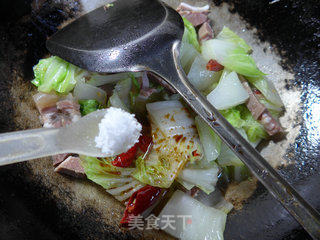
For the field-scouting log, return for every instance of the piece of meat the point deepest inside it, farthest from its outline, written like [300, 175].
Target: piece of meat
[195, 15]
[55, 113]
[260, 112]
[271, 125]
[205, 32]
[59, 158]
[253, 104]
[69, 108]
[45, 101]
[71, 166]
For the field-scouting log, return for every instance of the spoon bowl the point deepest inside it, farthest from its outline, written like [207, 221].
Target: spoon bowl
[122, 37]
[78, 137]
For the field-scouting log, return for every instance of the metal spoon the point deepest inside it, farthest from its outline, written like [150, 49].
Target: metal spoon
[145, 35]
[78, 137]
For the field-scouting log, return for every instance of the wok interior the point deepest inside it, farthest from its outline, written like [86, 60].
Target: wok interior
[84, 209]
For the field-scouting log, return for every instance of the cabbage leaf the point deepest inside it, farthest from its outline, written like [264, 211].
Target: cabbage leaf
[117, 181]
[175, 142]
[190, 34]
[241, 117]
[228, 35]
[231, 51]
[56, 74]
[88, 106]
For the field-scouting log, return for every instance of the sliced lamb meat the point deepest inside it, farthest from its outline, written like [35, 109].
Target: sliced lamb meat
[57, 113]
[261, 113]
[71, 166]
[69, 108]
[253, 104]
[44, 101]
[59, 158]
[271, 125]
[195, 15]
[205, 32]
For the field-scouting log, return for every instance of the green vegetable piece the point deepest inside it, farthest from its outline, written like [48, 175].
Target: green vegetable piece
[88, 106]
[241, 117]
[190, 34]
[232, 52]
[54, 74]
[228, 35]
[233, 116]
[102, 172]
[253, 128]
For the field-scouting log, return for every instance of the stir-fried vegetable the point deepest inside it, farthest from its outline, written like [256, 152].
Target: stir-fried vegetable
[203, 178]
[241, 117]
[54, 73]
[120, 96]
[267, 89]
[210, 141]
[228, 93]
[84, 91]
[232, 53]
[187, 55]
[181, 146]
[117, 181]
[194, 225]
[190, 35]
[175, 143]
[228, 35]
[88, 106]
[200, 77]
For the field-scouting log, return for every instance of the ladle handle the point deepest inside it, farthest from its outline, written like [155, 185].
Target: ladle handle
[29, 144]
[280, 189]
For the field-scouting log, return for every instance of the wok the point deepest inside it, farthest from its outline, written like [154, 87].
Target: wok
[36, 203]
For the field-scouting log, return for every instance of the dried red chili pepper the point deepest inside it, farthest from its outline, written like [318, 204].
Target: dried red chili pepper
[125, 159]
[213, 65]
[140, 201]
[144, 142]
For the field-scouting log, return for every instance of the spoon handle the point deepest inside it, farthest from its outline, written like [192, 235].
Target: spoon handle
[29, 144]
[280, 189]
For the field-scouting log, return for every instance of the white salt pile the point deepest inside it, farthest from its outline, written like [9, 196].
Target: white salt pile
[118, 132]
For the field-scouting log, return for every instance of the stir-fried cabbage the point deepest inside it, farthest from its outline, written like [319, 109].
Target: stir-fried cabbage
[204, 178]
[231, 53]
[268, 90]
[228, 35]
[228, 93]
[117, 181]
[187, 55]
[200, 77]
[175, 143]
[84, 91]
[54, 73]
[193, 220]
[241, 117]
[210, 141]
[227, 156]
[89, 106]
[120, 97]
[190, 35]
[102, 172]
